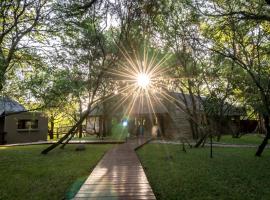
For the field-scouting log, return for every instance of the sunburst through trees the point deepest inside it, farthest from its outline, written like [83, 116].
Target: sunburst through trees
[141, 79]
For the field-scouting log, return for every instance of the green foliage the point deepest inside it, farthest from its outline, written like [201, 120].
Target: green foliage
[214, 48]
[22, 24]
[234, 35]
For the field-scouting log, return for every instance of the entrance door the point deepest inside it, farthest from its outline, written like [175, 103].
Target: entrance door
[160, 121]
[143, 125]
[2, 129]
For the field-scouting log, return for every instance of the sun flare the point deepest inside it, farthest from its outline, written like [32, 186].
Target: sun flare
[143, 80]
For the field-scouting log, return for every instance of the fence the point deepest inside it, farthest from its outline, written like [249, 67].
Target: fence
[61, 131]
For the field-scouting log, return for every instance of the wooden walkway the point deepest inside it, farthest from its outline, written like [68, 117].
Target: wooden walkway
[119, 175]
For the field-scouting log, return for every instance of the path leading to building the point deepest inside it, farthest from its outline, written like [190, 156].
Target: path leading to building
[119, 175]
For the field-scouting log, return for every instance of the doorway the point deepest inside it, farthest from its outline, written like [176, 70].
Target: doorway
[2, 130]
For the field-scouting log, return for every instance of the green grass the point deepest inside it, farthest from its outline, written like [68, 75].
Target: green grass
[26, 174]
[233, 173]
[245, 139]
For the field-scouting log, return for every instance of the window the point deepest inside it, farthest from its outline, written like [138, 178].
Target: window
[27, 124]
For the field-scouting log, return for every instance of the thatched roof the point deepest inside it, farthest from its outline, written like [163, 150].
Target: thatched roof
[8, 105]
[97, 111]
[159, 104]
[227, 110]
[202, 104]
[187, 99]
[144, 105]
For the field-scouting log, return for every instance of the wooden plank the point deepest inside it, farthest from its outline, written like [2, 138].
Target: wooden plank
[115, 186]
[119, 175]
[114, 194]
[118, 189]
[117, 198]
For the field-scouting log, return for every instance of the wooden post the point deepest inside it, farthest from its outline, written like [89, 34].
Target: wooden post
[57, 133]
[211, 146]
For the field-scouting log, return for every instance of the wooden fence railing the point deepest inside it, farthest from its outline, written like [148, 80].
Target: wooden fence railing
[61, 131]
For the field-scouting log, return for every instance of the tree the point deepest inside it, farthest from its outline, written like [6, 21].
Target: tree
[20, 22]
[92, 51]
[246, 43]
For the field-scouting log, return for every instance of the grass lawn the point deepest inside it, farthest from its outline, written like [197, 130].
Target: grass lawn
[26, 174]
[233, 173]
[245, 139]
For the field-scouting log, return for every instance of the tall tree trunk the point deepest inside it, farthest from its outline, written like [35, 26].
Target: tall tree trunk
[219, 130]
[267, 136]
[194, 111]
[2, 71]
[80, 130]
[80, 126]
[52, 127]
[261, 127]
[193, 130]
[1, 84]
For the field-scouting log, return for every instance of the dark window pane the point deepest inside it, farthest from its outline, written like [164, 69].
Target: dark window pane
[27, 124]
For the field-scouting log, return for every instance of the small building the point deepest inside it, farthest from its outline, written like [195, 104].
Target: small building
[143, 114]
[168, 113]
[19, 126]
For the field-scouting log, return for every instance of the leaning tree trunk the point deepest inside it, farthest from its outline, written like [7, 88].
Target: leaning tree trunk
[267, 136]
[67, 141]
[70, 132]
[74, 128]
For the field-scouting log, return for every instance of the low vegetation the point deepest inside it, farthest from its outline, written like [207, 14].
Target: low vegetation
[27, 174]
[232, 174]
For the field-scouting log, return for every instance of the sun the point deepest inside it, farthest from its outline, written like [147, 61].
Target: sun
[140, 78]
[143, 80]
